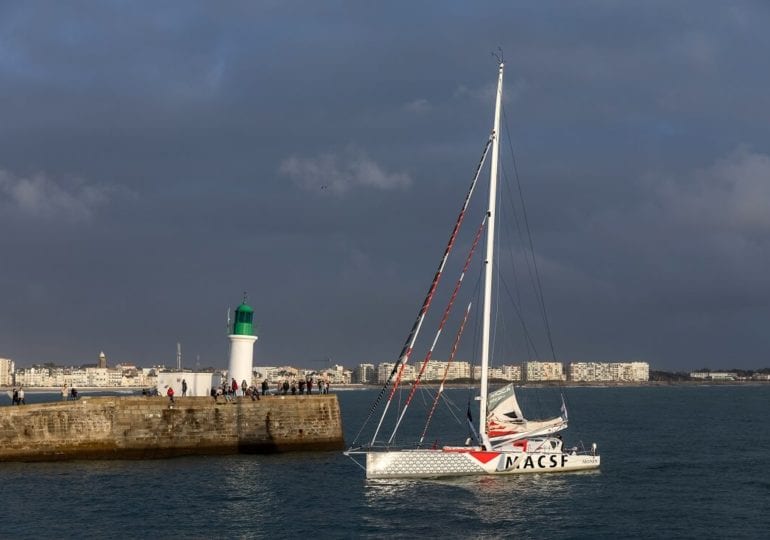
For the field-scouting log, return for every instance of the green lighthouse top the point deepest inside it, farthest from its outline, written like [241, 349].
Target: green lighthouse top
[244, 320]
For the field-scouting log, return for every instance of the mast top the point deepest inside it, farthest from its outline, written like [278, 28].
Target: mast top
[499, 55]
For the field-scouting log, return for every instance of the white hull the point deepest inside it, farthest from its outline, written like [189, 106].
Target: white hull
[452, 461]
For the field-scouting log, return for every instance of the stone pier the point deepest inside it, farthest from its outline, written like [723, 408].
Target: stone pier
[151, 427]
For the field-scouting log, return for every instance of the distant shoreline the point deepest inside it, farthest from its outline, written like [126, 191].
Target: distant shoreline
[80, 389]
[607, 384]
[614, 384]
[355, 386]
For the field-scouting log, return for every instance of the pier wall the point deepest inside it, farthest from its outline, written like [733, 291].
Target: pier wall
[149, 427]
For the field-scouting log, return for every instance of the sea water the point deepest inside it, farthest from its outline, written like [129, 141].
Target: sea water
[677, 462]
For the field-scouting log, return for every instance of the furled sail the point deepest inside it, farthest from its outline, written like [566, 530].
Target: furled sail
[503, 405]
[506, 422]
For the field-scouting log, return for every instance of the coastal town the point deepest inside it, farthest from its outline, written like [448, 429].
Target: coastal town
[129, 376]
[100, 375]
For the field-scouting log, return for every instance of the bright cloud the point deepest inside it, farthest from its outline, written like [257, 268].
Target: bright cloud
[40, 196]
[342, 173]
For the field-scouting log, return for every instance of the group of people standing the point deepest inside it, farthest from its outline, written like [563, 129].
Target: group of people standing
[170, 391]
[72, 393]
[18, 396]
[232, 390]
[284, 387]
[303, 386]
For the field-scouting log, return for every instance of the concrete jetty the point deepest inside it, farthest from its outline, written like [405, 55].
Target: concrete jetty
[139, 427]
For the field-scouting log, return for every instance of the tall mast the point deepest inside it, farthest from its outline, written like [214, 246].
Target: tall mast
[489, 263]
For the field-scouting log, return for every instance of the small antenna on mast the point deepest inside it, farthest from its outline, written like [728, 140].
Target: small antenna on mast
[499, 55]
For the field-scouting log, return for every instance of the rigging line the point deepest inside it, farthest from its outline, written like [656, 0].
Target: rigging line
[475, 341]
[446, 372]
[539, 288]
[452, 408]
[516, 214]
[357, 463]
[441, 325]
[531, 243]
[477, 325]
[505, 331]
[406, 351]
[425, 395]
[507, 225]
[527, 335]
[509, 245]
[398, 401]
[524, 250]
[536, 281]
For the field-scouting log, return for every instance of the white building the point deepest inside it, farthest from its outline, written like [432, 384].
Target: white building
[609, 371]
[198, 383]
[280, 373]
[6, 372]
[511, 372]
[504, 372]
[632, 371]
[336, 374]
[384, 369]
[265, 372]
[32, 376]
[544, 371]
[365, 374]
[436, 369]
[714, 375]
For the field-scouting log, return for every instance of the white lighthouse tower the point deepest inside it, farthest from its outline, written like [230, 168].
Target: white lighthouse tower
[242, 341]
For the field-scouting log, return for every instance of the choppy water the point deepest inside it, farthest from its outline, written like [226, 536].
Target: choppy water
[680, 462]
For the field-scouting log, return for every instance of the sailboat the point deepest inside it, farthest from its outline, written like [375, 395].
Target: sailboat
[506, 442]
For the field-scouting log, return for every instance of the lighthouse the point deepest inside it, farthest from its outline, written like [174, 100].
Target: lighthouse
[242, 341]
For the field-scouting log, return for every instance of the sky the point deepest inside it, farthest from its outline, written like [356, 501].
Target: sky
[158, 160]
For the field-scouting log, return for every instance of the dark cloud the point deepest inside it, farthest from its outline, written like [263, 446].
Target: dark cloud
[158, 160]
